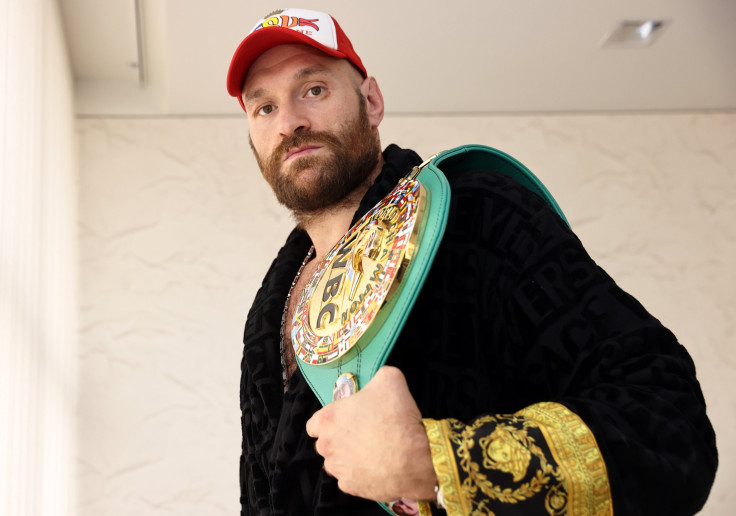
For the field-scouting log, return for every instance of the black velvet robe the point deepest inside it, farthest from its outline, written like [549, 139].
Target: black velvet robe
[514, 312]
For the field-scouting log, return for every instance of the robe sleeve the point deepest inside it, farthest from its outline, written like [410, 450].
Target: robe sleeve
[605, 412]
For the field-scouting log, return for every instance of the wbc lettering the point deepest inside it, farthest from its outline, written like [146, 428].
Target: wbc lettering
[333, 286]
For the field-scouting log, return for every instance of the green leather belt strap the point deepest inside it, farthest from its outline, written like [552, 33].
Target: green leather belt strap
[480, 157]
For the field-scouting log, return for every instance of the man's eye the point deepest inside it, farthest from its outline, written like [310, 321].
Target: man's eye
[315, 91]
[266, 110]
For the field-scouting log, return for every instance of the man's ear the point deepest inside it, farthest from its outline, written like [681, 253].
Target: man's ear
[374, 101]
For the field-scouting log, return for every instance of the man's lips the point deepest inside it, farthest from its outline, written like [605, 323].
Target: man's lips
[298, 152]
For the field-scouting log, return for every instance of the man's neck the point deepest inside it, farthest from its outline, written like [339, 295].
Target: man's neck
[328, 226]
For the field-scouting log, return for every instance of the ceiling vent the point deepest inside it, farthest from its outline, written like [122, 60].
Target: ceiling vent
[633, 34]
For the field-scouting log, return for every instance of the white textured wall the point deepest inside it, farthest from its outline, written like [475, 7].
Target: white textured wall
[38, 307]
[177, 229]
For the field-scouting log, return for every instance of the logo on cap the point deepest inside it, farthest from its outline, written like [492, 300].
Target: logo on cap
[276, 19]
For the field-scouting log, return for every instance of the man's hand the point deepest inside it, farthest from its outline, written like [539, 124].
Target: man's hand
[374, 442]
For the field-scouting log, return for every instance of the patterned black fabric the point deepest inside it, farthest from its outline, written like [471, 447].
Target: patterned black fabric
[513, 293]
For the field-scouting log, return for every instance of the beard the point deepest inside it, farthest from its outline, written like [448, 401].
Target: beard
[353, 155]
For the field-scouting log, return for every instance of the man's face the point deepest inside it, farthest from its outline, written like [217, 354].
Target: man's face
[309, 128]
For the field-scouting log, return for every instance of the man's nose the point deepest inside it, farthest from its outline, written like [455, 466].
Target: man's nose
[292, 119]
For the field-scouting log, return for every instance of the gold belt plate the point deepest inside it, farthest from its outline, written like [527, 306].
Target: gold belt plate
[357, 277]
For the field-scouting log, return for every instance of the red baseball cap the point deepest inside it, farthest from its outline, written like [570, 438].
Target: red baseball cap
[313, 28]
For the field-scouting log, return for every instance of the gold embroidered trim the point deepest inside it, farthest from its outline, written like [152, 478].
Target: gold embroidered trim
[443, 459]
[425, 508]
[577, 485]
[576, 452]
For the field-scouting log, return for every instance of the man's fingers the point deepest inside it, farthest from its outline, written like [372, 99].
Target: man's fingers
[313, 425]
[321, 446]
[326, 467]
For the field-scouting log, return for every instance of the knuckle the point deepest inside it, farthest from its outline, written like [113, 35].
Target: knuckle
[327, 468]
[327, 416]
[390, 374]
[323, 446]
[345, 486]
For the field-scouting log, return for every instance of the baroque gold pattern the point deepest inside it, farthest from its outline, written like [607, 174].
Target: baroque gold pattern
[544, 455]
[443, 458]
[576, 450]
[507, 449]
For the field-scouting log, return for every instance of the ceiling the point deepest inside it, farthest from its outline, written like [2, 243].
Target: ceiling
[170, 57]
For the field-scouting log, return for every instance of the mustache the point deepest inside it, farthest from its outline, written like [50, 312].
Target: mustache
[303, 138]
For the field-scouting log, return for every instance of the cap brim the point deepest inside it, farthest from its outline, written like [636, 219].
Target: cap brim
[259, 42]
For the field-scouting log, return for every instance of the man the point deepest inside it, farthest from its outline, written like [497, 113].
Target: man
[525, 381]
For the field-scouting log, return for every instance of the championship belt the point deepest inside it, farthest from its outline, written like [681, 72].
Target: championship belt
[356, 303]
